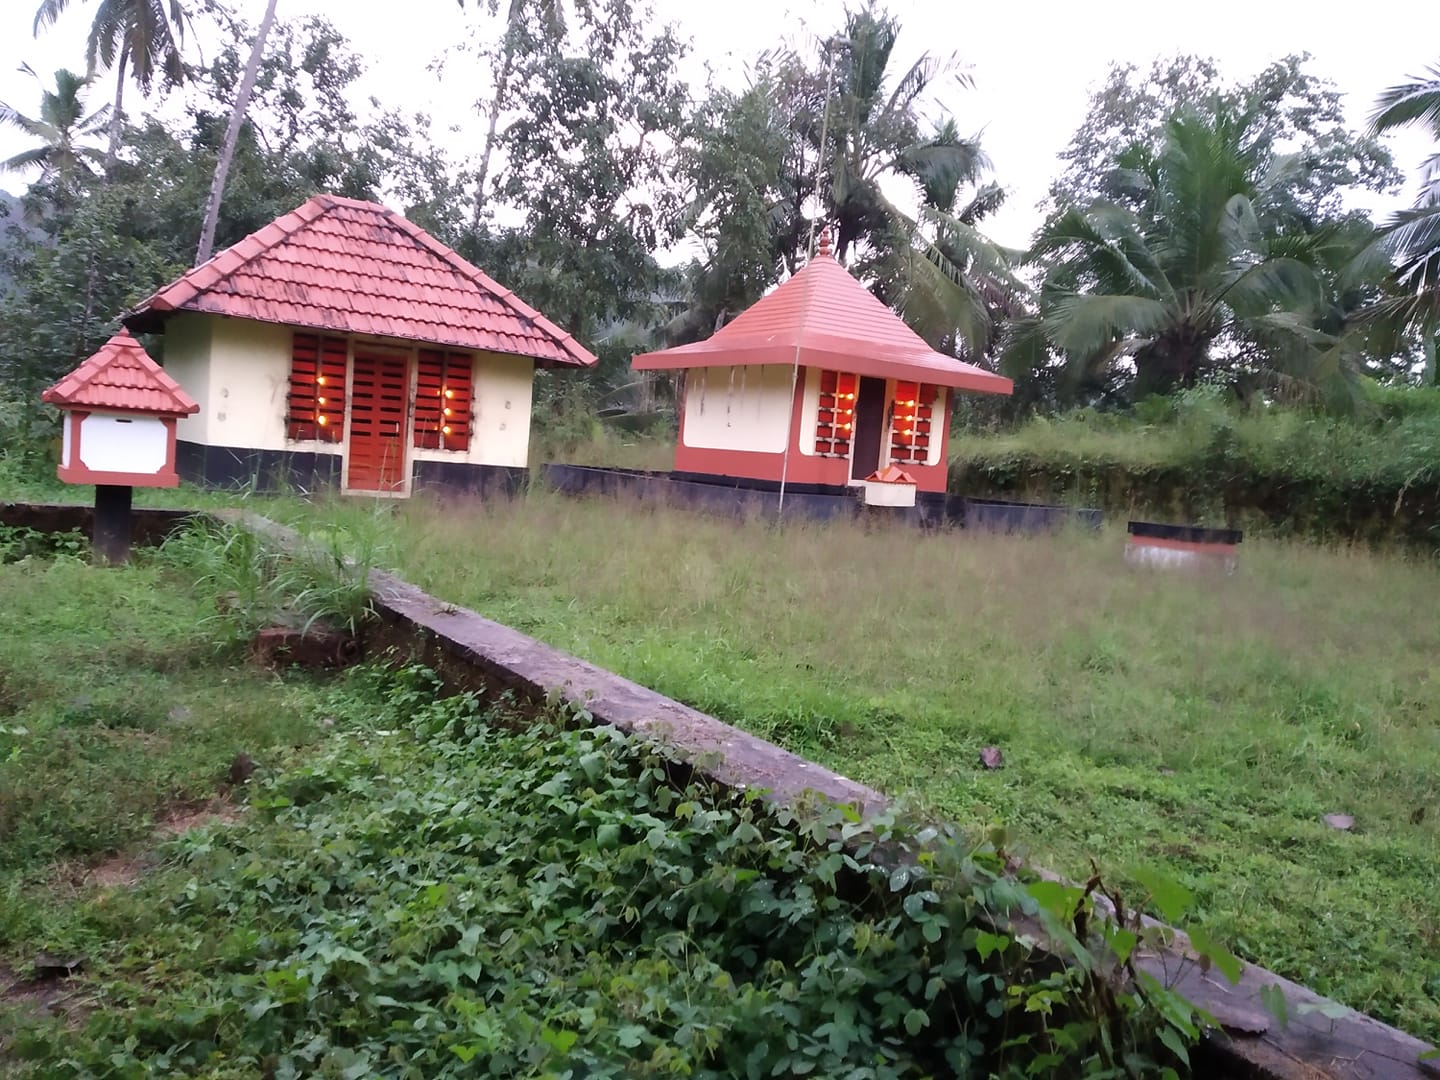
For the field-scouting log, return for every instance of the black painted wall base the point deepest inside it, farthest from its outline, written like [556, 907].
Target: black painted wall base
[736, 496]
[260, 470]
[307, 471]
[463, 478]
[742, 496]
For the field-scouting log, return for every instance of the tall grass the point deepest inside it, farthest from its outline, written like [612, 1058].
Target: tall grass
[1204, 724]
[1196, 457]
[324, 578]
[610, 448]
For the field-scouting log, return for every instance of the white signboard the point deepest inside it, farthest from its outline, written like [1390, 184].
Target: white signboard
[123, 444]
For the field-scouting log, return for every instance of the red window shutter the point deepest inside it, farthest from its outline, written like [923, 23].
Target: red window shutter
[443, 400]
[910, 426]
[836, 417]
[330, 393]
[458, 400]
[316, 403]
[429, 398]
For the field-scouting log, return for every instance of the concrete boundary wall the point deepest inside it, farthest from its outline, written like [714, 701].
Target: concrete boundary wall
[1322, 1040]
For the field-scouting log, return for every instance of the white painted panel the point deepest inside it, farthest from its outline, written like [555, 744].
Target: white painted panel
[187, 361]
[879, 493]
[738, 408]
[65, 438]
[249, 380]
[939, 417]
[500, 411]
[123, 444]
[1143, 554]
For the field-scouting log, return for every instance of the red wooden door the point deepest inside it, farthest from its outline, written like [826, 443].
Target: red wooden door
[379, 422]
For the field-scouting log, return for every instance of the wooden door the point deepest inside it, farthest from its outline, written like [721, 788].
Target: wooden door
[869, 428]
[379, 421]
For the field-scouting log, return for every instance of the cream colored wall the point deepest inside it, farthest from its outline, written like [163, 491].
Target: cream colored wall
[738, 408]
[239, 372]
[249, 382]
[186, 357]
[499, 414]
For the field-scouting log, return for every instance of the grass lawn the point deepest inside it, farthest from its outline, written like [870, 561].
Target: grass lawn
[413, 892]
[1202, 725]
[119, 720]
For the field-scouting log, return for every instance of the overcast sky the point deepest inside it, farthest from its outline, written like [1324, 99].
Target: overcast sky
[1034, 63]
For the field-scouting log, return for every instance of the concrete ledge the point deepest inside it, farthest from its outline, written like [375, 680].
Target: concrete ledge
[509, 659]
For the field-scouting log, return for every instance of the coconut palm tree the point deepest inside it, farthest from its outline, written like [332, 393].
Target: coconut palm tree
[927, 258]
[1412, 237]
[232, 135]
[843, 143]
[874, 135]
[59, 129]
[139, 39]
[1188, 279]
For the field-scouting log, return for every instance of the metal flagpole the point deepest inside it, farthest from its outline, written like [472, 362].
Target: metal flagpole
[809, 254]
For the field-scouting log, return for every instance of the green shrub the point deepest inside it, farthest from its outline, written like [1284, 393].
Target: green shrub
[1196, 457]
[444, 897]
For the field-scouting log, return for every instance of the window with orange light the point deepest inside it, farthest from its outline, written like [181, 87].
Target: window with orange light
[442, 400]
[835, 422]
[315, 406]
[912, 423]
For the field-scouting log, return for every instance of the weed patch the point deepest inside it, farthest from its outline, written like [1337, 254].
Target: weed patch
[433, 895]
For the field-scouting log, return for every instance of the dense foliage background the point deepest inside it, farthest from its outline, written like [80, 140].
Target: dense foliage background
[1199, 236]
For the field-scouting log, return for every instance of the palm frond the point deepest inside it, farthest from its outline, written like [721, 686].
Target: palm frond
[962, 246]
[38, 157]
[941, 167]
[1107, 244]
[946, 303]
[12, 117]
[1259, 287]
[983, 202]
[47, 14]
[913, 84]
[1084, 324]
[1024, 347]
[1414, 102]
[1414, 232]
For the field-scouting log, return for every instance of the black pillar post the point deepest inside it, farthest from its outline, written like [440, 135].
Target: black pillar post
[112, 523]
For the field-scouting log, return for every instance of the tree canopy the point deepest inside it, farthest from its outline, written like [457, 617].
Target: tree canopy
[1201, 229]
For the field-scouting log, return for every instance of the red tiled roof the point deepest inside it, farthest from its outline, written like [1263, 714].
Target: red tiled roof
[121, 376]
[823, 317]
[891, 474]
[358, 268]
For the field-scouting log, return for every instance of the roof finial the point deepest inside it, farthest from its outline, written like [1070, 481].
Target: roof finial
[824, 251]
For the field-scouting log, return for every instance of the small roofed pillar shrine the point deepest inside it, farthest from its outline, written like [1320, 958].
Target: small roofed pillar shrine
[119, 410]
[820, 388]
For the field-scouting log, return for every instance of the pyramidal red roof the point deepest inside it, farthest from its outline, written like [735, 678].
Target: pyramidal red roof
[359, 268]
[823, 317]
[121, 376]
